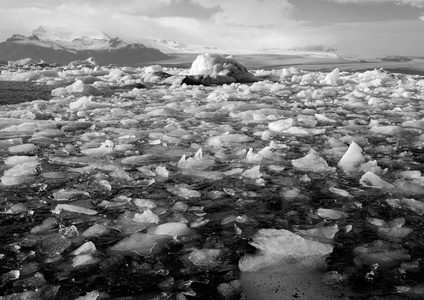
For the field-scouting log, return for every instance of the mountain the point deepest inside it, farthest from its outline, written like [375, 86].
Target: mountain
[170, 46]
[64, 46]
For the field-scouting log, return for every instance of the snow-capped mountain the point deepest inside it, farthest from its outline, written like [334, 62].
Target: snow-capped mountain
[62, 46]
[78, 40]
[170, 46]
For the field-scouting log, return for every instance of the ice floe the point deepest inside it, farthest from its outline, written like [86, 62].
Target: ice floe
[175, 175]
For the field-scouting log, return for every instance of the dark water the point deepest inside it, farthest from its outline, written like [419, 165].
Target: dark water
[12, 92]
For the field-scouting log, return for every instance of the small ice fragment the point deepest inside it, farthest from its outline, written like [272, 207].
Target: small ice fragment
[197, 162]
[74, 209]
[173, 229]
[84, 260]
[24, 148]
[352, 159]
[69, 194]
[339, 192]
[141, 244]
[86, 248]
[369, 179]
[252, 173]
[381, 253]
[144, 203]
[205, 257]
[332, 214]
[162, 172]
[411, 204]
[226, 140]
[96, 230]
[182, 190]
[93, 295]
[323, 234]
[281, 125]
[105, 149]
[312, 162]
[146, 217]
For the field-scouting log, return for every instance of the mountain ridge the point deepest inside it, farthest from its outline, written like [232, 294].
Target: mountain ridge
[63, 48]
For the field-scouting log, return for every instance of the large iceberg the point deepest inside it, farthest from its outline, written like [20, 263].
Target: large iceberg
[221, 69]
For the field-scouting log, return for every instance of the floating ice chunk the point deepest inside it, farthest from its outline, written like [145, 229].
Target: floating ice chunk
[24, 148]
[162, 172]
[414, 124]
[141, 244]
[395, 233]
[105, 149]
[205, 257]
[146, 217]
[253, 158]
[216, 66]
[81, 103]
[69, 194]
[369, 179]
[226, 140]
[27, 168]
[333, 78]
[96, 230]
[47, 224]
[414, 292]
[309, 78]
[84, 260]
[295, 130]
[312, 162]
[411, 174]
[381, 253]
[93, 295]
[332, 214]
[306, 120]
[182, 190]
[252, 173]
[266, 152]
[173, 229]
[281, 125]
[288, 72]
[196, 162]
[153, 69]
[352, 159]
[18, 159]
[407, 203]
[235, 171]
[339, 192]
[86, 248]
[276, 246]
[54, 245]
[74, 209]
[17, 180]
[9, 276]
[387, 130]
[322, 234]
[211, 175]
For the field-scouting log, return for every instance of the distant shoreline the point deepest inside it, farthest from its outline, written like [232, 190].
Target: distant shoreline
[303, 61]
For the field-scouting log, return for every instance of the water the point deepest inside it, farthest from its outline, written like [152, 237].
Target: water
[170, 272]
[13, 92]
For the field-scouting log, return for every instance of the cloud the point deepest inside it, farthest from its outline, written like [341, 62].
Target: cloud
[251, 12]
[396, 37]
[414, 3]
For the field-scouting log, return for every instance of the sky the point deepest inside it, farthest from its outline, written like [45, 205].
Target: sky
[354, 27]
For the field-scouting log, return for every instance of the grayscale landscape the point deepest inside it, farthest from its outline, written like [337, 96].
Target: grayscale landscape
[232, 150]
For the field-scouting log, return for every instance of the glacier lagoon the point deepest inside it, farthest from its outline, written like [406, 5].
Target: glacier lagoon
[304, 184]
